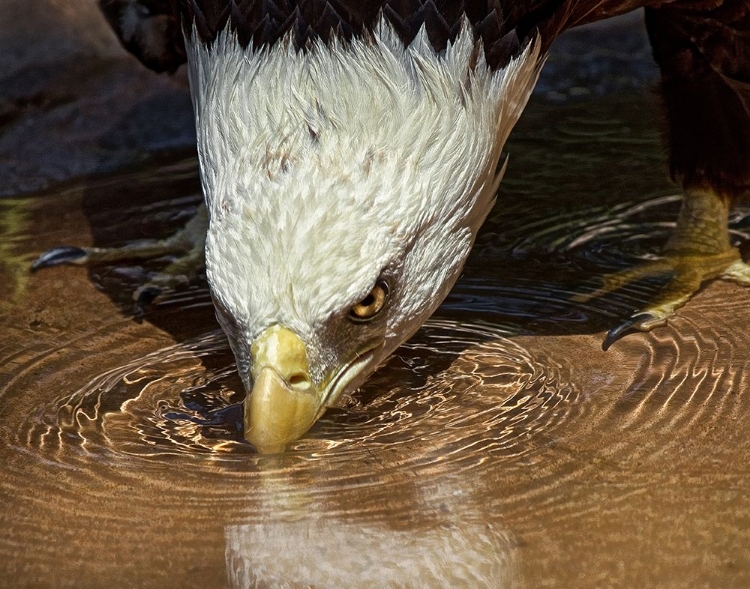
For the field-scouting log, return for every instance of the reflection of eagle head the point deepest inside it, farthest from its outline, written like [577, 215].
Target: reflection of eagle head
[345, 185]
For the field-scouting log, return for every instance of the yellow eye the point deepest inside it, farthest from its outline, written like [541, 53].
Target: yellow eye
[372, 304]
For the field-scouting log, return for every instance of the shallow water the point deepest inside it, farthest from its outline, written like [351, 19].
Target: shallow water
[499, 448]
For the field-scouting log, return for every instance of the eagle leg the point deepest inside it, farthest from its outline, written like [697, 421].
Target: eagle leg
[698, 251]
[703, 51]
[185, 247]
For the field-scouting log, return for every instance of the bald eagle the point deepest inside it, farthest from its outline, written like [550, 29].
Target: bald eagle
[351, 149]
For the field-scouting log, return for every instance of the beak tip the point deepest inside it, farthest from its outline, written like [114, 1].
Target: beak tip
[266, 448]
[275, 414]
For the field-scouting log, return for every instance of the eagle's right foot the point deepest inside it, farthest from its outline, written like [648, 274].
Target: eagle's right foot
[186, 248]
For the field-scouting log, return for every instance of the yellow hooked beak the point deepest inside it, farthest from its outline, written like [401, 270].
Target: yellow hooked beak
[284, 403]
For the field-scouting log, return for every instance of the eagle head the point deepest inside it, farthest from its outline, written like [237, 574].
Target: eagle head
[345, 185]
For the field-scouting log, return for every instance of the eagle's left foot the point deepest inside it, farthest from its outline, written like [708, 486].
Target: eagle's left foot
[698, 251]
[186, 249]
[686, 273]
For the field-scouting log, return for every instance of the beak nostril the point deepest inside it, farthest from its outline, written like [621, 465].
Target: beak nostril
[299, 381]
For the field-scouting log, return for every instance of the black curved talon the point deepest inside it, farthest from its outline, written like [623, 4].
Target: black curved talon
[630, 324]
[65, 254]
[145, 297]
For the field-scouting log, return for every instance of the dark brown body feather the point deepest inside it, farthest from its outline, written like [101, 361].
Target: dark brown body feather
[503, 25]
[150, 29]
[704, 56]
[702, 47]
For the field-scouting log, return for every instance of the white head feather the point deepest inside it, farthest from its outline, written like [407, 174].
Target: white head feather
[322, 169]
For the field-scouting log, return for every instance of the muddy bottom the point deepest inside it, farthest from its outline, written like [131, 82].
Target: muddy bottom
[499, 448]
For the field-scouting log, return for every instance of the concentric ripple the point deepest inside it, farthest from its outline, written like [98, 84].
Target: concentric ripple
[460, 389]
[463, 388]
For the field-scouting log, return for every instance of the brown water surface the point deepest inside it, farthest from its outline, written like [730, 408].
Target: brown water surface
[499, 448]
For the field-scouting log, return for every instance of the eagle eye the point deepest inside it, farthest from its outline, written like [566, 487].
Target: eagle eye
[372, 304]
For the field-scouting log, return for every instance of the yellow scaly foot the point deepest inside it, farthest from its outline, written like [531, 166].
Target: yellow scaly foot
[186, 248]
[698, 251]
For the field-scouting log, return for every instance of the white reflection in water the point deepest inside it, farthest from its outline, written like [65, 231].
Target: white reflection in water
[299, 541]
[330, 553]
